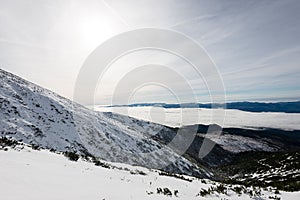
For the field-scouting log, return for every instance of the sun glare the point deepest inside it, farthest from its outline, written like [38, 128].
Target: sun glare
[94, 29]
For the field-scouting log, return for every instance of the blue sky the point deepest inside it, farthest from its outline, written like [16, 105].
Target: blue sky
[254, 44]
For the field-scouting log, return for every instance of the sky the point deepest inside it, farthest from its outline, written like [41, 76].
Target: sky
[254, 45]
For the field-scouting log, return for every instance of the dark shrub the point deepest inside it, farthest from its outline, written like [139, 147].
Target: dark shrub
[72, 155]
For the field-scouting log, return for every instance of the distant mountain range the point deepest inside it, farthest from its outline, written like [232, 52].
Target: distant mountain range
[286, 107]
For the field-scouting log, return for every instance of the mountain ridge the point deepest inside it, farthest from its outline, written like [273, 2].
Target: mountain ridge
[37, 116]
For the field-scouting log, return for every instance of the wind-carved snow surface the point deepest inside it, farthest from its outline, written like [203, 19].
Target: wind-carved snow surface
[38, 116]
[41, 175]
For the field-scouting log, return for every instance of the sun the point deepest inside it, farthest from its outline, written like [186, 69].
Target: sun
[95, 29]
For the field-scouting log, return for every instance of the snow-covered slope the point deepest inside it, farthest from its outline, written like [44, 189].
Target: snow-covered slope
[35, 175]
[236, 144]
[38, 116]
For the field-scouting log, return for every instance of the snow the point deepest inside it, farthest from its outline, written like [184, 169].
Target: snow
[172, 117]
[38, 116]
[238, 144]
[36, 175]
[232, 118]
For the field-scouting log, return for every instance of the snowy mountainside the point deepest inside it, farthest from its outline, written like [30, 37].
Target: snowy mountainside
[276, 169]
[40, 117]
[235, 141]
[45, 175]
[254, 139]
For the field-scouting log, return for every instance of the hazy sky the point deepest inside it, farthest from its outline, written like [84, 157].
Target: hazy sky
[255, 44]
